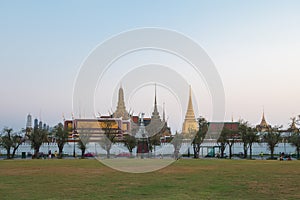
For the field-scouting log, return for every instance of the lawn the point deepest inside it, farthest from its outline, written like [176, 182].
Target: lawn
[184, 179]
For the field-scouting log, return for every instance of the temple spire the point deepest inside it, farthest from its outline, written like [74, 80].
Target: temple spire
[190, 123]
[263, 122]
[263, 126]
[190, 111]
[121, 109]
[155, 113]
[164, 114]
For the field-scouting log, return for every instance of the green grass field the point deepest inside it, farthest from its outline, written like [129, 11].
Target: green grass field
[184, 179]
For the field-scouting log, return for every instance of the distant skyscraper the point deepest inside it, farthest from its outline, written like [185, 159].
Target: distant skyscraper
[36, 123]
[190, 124]
[41, 125]
[29, 121]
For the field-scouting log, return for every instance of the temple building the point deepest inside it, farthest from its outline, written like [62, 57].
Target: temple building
[263, 126]
[156, 124]
[190, 123]
[120, 123]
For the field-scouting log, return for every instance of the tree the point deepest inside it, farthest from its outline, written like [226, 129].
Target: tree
[154, 140]
[252, 137]
[108, 138]
[272, 138]
[232, 137]
[61, 136]
[222, 141]
[295, 141]
[248, 136]
[37, 137]
[243, 130]
[200, 135]
[227, 137]
[10, 140]
[177, 142]
[82, 143]
[130, 142]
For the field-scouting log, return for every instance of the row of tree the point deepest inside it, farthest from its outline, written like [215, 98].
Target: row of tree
[248, 135]
[11, 140]
[245, 134]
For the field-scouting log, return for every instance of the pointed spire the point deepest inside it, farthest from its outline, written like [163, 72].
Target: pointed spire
[121, 109]
[155, 113]
[190, 123]
[263, 122]
[164, 114]
[190, 111]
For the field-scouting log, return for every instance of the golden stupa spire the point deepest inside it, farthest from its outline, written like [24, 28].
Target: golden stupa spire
[263, 122]
[190, 123]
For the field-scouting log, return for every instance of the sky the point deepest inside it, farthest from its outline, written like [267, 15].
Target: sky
[255, 46]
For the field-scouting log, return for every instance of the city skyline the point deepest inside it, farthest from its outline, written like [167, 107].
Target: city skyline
[254, 46]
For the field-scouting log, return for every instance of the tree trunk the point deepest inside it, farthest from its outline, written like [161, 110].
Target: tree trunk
[8, 153]
[82, 153]
[272, 152]
[195, 150]
[245, 150]
[230, 151]
[15, 149]
[36, 152]
[60, 151]
[250, 146]
[108, 153]
[298, 152]
[14, 152]
[222, 150]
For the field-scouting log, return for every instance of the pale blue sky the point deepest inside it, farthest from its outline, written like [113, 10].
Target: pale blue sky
[255, 45]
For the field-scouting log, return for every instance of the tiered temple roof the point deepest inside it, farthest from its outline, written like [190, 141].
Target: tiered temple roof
[121, 108]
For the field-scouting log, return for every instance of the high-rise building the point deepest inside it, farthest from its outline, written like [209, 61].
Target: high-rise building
[190, 124]
[36, 123]
[40, 125]
[29, 121]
